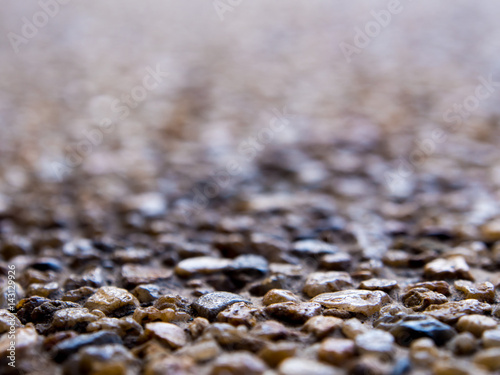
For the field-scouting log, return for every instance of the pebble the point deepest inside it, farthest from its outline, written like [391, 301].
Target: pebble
[491, 338]
[238, 363]
[336, 351]
[354, 327]
[454, 267]
[7, 320]
[103, 359]
[269, 246]
[202, 351]
[301, 366]
[274, 353]
[456, 367]
[146, 293]
[201, 265]
[272, 282]
[436, 286]
[230, 245]
[72, 318]
[239, 313]
[233, 338]
[5, 295]
[406, 331]
[293, 312]
[64, 349]
[491, 230]
[450, 312]
[423, 351]
[420, 298]
[385, 285]
[463, 344]
[271, 330]
[375, 341]
[167, 333]
[490, 358]
[279, 295]
[112, 300]
[135, 274]
[484, 292]
[26, 340]
[324, 282]
[47, 264]
[336, 262]
[476, 324]
[313, 248]
[246, 268]
[150, 314]
[197, 326]
[322, 326]
[125, 327]
[43, 290]
[210, 304]
[161, 365]
[355, 301]
[79, 295]
[93, 277]
[132, 255]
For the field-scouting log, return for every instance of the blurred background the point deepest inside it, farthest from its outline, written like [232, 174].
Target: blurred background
[228, 66]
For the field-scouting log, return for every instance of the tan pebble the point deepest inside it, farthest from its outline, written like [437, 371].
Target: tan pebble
[463, 344]
[491, 338]
[450, 312]
[197, 326]
[161, 365]
[323, 282]
[294, 312]
[336, 350]
[272, 330]
[201, 265]
[321, 326]
[238, 363]
[491, 230]
[476, 324]
[279, 295]
[484, 292]
[274, 353]
[7, 320]
[423, 351]
[436, 286]
[489, 358]
[454, 267]
[375, 341]
[357, 301]
[386, 285]
[354, 327]
[201, 351]
[167, 333]
[456, 368]
[109, 299]
[302, 366]
[420, 298]
[239, 313]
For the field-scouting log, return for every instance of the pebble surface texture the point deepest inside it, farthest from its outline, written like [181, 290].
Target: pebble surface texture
[240, 188]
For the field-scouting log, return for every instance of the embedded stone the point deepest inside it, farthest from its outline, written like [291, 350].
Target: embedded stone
[450, 312]
[167, 333]
[112, 300]
[210, 304]
[356, 301]
[336, 351]
[476, 324]
[321, 326]
[324, 282]
[293, 312]
[279, 295]
[375, 341]
[384, 285]
[454, 267]
[420, 298]
[484, 292]
[201, 265]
